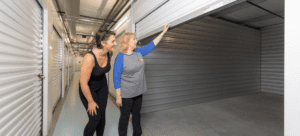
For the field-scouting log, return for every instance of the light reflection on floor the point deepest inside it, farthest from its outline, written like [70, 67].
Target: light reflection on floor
[73, 117]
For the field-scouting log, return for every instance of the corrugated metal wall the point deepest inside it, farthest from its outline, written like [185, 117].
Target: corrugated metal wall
[272, 59]
[21, 61]
[204, 60]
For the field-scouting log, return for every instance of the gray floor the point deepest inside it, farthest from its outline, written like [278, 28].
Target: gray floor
[73, 117]
[257, 114]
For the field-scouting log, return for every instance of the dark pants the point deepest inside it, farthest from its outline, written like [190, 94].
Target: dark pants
[133, 106]
[96, 122]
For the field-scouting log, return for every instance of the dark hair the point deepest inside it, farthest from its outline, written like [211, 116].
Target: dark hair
[103, 35]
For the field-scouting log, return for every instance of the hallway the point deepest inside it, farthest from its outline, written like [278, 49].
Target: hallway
[73, 118]
[223, 68]
[248, 115]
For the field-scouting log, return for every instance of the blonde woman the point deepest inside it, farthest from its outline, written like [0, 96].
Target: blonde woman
[93, 90]
[129, 79]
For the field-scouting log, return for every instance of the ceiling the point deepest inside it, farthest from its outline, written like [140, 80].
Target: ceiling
[83, 19]
[256, 14]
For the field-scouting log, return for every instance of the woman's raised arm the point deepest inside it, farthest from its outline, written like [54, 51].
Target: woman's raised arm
[159, 37]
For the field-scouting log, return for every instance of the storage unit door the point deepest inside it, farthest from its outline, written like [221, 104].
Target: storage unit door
[66, 65]
[21, 62]
[70, 66]
[55, 68]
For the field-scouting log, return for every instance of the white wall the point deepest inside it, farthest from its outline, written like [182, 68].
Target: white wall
[292, 69]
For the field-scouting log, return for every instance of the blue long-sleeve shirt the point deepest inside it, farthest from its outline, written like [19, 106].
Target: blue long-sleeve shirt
[128, 73]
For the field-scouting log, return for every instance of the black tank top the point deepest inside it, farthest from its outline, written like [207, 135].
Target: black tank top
[98, 78]
[97, 70]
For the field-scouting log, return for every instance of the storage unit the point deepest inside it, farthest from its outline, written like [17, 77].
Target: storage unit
[55, 68]
[66, 66]
[230, 51]
[78, 63]
[21, 61]
[203, 60]
[70, 62]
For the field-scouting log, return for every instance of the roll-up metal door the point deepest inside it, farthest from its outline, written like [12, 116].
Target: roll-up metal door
[112, 90]
[172, 11]
[272, 59]
[21, 62]
[70, 66]
[203, 60]
[55, 68]
[66, 66]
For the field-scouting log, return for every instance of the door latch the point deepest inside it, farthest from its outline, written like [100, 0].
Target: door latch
[41, 76]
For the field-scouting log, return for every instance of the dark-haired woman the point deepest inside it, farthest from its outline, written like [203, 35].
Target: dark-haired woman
[93, 88]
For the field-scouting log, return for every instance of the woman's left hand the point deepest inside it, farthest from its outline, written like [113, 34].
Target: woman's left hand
[166, 28]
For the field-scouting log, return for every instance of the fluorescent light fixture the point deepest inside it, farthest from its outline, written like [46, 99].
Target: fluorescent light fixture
[122, 21]
[85, 20]
[61, 19]
[125, 23]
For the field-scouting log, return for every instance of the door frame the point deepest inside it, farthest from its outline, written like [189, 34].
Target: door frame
[45, 100]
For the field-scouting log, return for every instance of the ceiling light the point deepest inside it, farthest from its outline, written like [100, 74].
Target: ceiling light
[84, 20]
[125, 23]
[122, 21]
[61, 19]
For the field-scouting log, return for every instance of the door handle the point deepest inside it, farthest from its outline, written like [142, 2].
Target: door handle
[41, 76]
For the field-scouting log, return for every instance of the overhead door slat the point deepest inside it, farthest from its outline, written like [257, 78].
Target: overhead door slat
[21, 58]
[16, 15]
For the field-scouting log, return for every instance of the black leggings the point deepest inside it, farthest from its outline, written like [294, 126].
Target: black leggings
[133, 106]
[96, 122]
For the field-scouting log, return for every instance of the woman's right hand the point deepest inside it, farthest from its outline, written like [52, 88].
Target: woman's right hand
[92, 108]
[119, 101]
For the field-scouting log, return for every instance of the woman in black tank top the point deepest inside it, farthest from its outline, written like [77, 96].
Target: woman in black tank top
[93, 90]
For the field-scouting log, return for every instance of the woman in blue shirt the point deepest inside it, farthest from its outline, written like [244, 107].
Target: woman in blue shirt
[129, 79]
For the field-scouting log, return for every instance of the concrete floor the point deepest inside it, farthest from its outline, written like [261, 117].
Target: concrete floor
[72, 118]
[257, 114]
